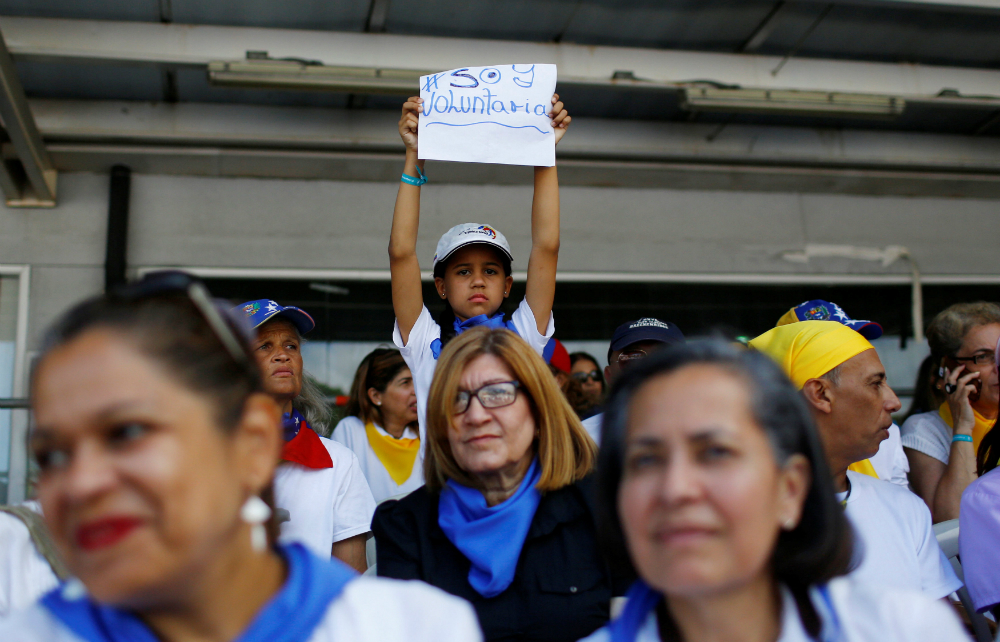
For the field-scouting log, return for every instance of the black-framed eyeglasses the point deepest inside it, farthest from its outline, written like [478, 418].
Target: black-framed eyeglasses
[593, 375]
[979, 359]
[629, 357]
[170, 282]
[492, 395]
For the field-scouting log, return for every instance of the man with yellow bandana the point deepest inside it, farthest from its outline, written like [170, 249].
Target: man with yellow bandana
[843, 382]
[890, 462]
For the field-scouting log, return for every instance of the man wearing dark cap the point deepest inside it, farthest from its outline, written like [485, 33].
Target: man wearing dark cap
[633, 341]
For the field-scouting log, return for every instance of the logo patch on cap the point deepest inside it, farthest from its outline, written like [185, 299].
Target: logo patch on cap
[485, 230]
[250, 309]
[818, 313]
[649, 322]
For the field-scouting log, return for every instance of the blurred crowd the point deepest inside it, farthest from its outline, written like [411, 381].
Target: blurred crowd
[486, 484]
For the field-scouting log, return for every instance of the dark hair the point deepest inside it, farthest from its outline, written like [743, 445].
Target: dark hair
[926, 396]
[446, 317]
[820, 546]
[169, 329]
[377, 370]
[580, 356]
[989, 451]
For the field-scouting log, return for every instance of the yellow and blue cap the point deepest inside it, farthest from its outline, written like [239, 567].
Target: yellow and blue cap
[819, 310]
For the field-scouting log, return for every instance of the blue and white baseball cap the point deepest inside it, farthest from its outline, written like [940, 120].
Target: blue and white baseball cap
[467, 234]
[819, 310]
[261, 311]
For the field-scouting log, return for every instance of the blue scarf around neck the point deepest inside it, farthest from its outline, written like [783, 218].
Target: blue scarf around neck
[641, 599]
[292, 615]
[491, 538]
[495, 322]
[292, 423]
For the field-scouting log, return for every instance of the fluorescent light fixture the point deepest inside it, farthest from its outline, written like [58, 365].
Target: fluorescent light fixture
[791, 102]
[298, 75]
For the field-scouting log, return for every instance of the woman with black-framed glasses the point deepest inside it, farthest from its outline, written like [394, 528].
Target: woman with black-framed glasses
[504, 519]
[941, 445]
[157, 444]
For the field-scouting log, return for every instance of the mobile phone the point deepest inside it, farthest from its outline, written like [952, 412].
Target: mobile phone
[951, 364]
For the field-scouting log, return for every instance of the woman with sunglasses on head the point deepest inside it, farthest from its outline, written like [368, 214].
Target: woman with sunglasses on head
[157, 445]
[380, 425]
[504, 520]
[942, 449]
[713, 486]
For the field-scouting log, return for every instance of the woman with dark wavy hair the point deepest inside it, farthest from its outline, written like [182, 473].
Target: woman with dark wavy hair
[712, 485]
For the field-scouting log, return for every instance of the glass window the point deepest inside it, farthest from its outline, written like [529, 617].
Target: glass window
[8, 331]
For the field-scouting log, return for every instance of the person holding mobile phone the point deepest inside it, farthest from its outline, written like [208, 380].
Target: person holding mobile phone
[941, 445]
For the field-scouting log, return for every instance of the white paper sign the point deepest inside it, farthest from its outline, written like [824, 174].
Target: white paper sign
[489, 115]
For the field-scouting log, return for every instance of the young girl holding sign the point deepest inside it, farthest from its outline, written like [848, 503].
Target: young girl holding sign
[472, 267]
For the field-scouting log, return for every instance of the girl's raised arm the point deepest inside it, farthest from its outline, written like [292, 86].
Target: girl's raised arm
[541, 283]
[407, 294]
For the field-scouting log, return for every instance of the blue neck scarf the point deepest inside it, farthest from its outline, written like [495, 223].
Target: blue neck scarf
[642, 599]
[495, 322]
[292, 423]
[290, 616]
[491, 538]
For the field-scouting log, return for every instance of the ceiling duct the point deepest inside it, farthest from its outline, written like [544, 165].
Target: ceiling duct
[791, 102]
[261, 72]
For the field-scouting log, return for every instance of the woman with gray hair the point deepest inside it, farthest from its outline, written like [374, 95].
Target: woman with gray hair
[942, 444]
[320, 482]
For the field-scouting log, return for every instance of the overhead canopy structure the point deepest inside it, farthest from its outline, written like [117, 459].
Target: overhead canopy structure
[850, 95]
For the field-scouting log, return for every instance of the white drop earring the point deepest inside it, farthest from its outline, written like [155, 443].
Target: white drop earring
[255, 512]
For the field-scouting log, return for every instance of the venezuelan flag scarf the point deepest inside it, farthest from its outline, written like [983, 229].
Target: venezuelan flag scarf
[397, 455]
[302, 444]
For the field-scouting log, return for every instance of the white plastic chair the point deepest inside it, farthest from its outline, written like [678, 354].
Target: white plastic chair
[947, 538]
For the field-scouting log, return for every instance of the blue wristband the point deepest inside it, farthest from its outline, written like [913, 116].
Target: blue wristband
[414, 180]
[961, 438]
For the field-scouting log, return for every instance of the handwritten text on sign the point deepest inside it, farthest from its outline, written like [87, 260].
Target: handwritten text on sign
[489, 115]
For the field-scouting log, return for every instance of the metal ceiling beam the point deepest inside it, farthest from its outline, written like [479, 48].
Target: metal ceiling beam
[979, 6]
[87, 41]
[32, 181]
[317, 143]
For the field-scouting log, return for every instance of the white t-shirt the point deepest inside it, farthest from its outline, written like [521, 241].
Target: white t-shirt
[25, 574]
[928, 433]
[890, 461]
[326, 505]
[895, 538]
[864, 615]
[369, 610]
[593, 425]
[351, 433]
[418, 356]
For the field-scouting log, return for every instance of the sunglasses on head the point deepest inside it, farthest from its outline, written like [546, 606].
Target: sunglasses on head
[174, 282]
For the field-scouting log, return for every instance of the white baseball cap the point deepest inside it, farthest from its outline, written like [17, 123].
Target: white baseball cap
[467, 234]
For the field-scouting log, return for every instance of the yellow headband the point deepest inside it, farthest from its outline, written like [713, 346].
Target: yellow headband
[810, 349]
